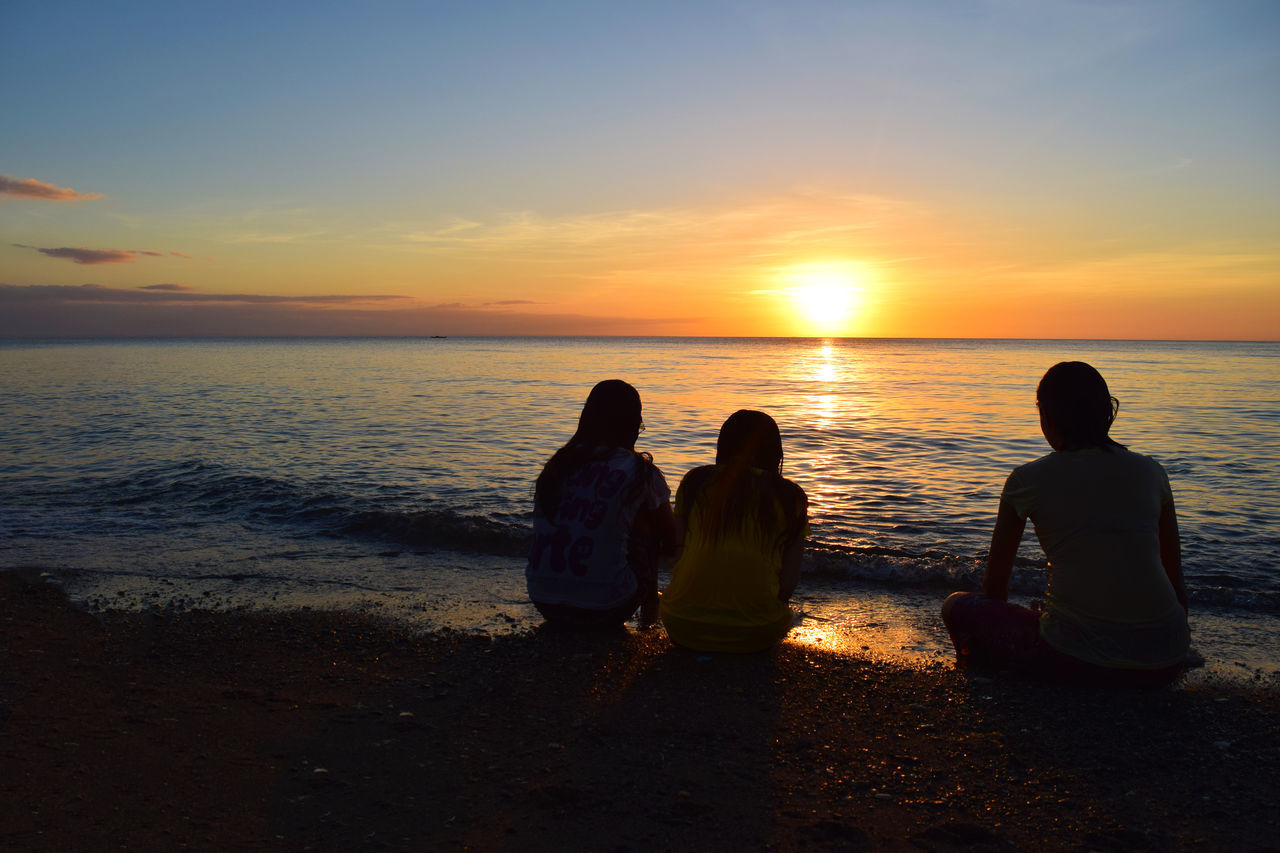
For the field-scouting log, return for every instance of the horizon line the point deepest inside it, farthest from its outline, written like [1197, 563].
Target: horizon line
[286, 336]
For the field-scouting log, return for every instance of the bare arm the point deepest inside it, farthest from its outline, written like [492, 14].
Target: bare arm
[666, 529]
[658, 525]
[1004, 547]
[1171, 551]
[789, 575]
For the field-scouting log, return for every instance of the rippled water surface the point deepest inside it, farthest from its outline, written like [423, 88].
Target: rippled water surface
[310, 466]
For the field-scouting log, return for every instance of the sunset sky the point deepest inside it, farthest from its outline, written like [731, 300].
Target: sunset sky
[919, 169]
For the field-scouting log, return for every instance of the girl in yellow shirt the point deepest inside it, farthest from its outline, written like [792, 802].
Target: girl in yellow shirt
[741, 526]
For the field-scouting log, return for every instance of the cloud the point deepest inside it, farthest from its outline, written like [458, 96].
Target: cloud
[91, 310]
[31, 188]
[802, 222]
[89, 257]
[153, 294]
[267, 237]
[85, 256]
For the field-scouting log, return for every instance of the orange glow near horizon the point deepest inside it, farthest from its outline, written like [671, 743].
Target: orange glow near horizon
[806, 264]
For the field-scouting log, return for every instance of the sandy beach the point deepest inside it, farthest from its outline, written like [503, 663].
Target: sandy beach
[330, 731]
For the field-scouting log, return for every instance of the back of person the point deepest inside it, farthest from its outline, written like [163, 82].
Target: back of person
[743, 527]
[723, 594]
[581, 552]
[1117, 605]
[602, 517]
[1096, 514]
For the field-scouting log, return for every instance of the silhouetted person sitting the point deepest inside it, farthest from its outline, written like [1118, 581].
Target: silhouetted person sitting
[1116, 609]
[742, 526]
[602, 517]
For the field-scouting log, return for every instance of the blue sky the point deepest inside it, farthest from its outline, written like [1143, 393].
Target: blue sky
[935, 154]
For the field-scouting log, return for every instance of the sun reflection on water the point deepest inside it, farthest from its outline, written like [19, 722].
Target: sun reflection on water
[898, 626]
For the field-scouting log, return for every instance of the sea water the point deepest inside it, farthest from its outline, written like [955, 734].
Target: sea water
[396, 474]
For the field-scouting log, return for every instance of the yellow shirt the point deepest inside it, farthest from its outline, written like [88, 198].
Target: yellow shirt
[723, 594]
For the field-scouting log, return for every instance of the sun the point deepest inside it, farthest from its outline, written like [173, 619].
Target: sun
[826, 297]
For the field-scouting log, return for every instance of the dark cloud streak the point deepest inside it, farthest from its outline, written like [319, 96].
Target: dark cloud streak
[89, 257]
[94, 311]
[62, 294]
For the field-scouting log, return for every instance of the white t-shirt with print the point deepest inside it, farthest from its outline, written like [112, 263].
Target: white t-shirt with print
[579, 557]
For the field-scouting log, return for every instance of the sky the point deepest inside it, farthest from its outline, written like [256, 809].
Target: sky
[1006, 169]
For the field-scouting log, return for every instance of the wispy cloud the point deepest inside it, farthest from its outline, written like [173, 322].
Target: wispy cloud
[89, 257]
[171, 310]
[168, 294]
[40, 191]
[269, 237]
[276, 224]
[803, 221]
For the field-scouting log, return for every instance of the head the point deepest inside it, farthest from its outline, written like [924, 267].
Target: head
[611, 416]
[730, 497]
[610, 419]
[750, 437]
[1076, 408]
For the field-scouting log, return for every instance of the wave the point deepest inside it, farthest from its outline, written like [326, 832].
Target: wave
[441, 529]
[191, 493]
[947, 572]
[194, 492]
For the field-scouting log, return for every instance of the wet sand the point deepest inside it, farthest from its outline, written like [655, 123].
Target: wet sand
[334, 731]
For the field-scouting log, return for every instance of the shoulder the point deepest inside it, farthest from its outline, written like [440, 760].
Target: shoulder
[794, 489]
[1130, 461]
[1025, 483]
[648, 473]
[1153, 469]
[1038, 467]
[698, 477]
[1142, 459]
[623, 457]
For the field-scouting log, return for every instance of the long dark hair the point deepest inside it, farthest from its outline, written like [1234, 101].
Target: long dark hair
[610, 419]
[1074, 399]
[729, 495]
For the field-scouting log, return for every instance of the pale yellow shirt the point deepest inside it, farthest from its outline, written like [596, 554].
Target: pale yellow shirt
[1096, 514]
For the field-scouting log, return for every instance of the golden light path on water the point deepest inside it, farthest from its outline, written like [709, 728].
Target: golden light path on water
[818, 455]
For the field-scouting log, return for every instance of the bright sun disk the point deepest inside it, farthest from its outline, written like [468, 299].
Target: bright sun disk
[826, 298]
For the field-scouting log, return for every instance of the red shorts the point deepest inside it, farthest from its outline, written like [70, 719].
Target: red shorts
[989, 632]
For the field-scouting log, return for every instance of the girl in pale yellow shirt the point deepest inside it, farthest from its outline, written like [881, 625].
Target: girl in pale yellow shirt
[1116, 609]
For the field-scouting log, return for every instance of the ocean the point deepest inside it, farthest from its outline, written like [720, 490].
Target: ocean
[395, 475]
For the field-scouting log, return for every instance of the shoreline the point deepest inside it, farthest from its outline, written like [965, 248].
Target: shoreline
[895, 624]
[338, 731]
